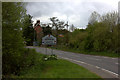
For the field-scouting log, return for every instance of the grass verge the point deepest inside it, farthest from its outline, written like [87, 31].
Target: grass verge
[108, 54]
[55, 69]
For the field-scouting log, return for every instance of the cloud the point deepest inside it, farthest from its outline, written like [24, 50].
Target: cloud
[76, 12]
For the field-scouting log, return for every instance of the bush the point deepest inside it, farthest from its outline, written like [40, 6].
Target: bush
[50, 57]
[28, 58]
[13, 64]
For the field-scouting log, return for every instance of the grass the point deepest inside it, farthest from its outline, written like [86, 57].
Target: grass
[108, 54]
[56, 69]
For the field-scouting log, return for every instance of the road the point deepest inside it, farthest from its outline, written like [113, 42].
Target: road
[105, 67]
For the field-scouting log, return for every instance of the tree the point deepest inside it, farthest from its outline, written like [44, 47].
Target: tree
[47, 30]
[28, 31]
[54, 21]
[104, 33]
[119, 12]
[110, 19]
[57, 24]
[61, 25]
[12, 41]
[94, 18]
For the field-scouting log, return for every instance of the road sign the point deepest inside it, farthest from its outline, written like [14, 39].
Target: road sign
[49, 40]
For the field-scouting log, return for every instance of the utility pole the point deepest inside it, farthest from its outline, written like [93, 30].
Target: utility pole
[67, 25]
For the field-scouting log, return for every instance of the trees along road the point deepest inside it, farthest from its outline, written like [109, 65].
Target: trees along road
[106, 67]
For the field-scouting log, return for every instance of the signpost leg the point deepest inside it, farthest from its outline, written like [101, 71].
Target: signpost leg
[50, 41]
[46, 50]
[51, 50]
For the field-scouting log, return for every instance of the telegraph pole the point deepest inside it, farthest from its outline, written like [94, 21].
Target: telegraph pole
[67, 23]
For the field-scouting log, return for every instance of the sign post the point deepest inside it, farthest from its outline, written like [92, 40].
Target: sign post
[49, 40]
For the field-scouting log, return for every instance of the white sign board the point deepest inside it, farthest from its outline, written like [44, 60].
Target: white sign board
[49, 40]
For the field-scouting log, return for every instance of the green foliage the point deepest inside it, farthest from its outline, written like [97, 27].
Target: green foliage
[62, 40]
[116, 39]
[57, 26]
[77, 38]
[55, 69]
[50, 57]
[47, 30]
[15, 57]
[28, 58]
[99, 36]
[12, 41]
[56, 23]
[28, 31]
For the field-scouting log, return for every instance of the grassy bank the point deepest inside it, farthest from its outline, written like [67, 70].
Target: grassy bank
[108, 54]
[55, 69]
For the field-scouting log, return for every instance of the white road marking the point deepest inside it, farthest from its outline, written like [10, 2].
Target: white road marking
[113, 58]
[93, 58]
[97, 67]
[91, 65]
[105, 57]
[110, 71]
[116, 63]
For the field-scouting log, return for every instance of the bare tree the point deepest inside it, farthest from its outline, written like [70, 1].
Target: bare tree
[110, 19]
[94, 17]
[119, 12]
[72, 28]
[54, 21]
[61, 24]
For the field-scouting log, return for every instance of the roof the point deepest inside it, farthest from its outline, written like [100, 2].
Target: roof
[49, 36]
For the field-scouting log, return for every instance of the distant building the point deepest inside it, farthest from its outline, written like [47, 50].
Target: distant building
[38, 30]
[37, 27]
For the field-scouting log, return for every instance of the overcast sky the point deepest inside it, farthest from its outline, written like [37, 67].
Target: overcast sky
[75, 12]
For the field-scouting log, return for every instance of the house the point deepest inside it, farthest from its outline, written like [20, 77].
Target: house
[38, 31]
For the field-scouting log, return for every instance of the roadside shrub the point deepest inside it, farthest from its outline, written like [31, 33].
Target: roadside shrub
[28, 58]
[50, 57]
[14, 62]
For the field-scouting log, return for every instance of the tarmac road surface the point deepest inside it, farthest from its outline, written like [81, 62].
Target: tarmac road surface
[106, 67]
